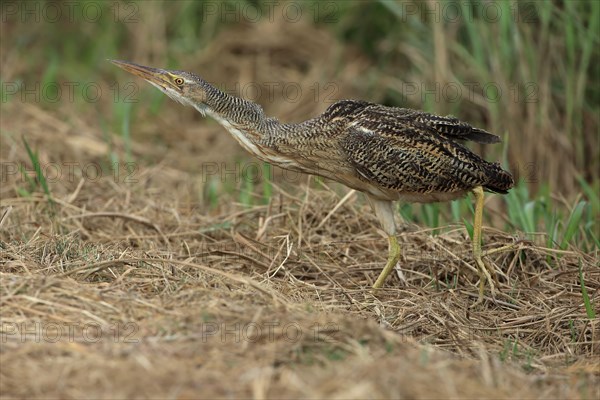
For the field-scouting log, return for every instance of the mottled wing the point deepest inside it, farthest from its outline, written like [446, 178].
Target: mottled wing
[449, 127]
[400, 150]
[403, 164]
[453, 128]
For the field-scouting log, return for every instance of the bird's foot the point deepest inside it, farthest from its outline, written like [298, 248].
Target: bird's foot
[484, 275]
[392, 263]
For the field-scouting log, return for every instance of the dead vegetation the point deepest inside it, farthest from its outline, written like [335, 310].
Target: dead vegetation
[130, 290]
[132, 284]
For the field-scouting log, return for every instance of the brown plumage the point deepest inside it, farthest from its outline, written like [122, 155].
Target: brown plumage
[390, 153]
[386, 152]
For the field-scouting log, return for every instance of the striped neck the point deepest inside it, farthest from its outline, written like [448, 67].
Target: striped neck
[236, 111]
[245, 120]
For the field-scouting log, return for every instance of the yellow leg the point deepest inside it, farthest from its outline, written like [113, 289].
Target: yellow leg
[384, 210]
[477, 253]
[393, 257]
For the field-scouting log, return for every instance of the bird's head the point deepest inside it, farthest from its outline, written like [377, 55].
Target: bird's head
[183, 87]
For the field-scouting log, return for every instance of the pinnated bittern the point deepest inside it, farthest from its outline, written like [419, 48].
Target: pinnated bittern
[387, 153]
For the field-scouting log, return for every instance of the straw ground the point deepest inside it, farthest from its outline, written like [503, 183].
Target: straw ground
[170, 276]
[114, 288]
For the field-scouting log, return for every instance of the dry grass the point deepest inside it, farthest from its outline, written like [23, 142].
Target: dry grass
[155, 297]
[144, 289]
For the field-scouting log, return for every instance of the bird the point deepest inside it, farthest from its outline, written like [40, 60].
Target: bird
[388, 153]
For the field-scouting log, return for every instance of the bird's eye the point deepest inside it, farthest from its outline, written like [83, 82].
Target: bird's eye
[179, 81]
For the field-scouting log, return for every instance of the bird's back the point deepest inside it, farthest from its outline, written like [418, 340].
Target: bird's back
[392, 153]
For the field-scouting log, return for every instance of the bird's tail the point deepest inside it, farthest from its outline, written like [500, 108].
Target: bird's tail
[454, 129]
[481, 136]
[499, 180]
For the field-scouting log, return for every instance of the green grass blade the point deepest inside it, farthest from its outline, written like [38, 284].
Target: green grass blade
[49, 78]
[455, 208]
[211, 192]
[33, 156]
[267, 186]
[406, 212]
[591, 194]
[589, 310]
[126, 130]
[431, 215]
[30, 181]
[573, 224]
[469, 228]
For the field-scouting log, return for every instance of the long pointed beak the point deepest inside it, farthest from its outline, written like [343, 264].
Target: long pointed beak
[155, 76]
